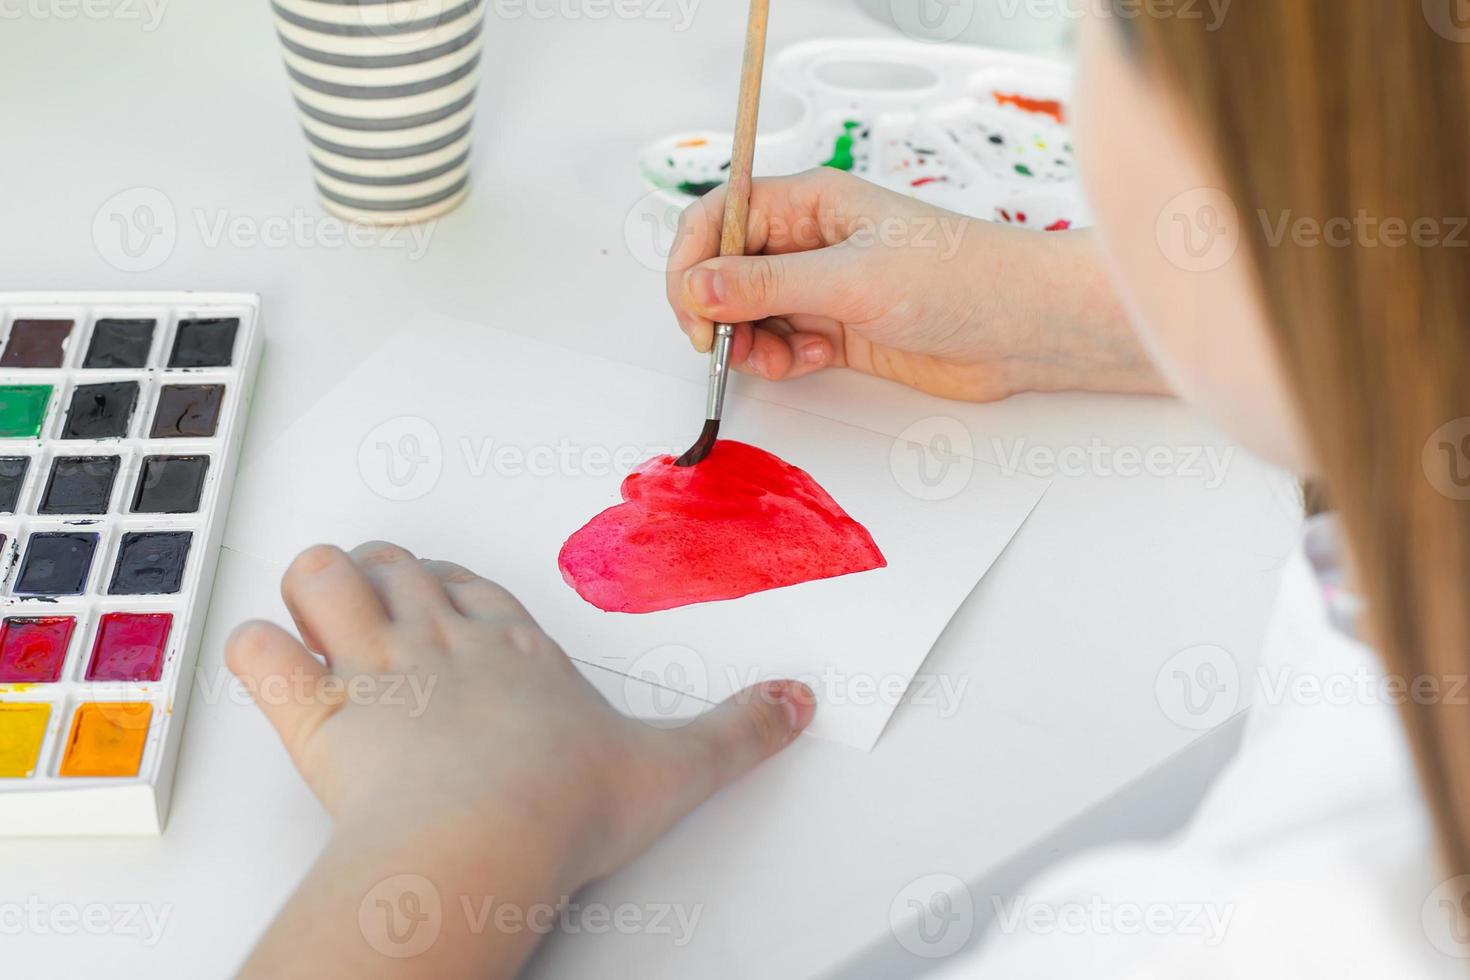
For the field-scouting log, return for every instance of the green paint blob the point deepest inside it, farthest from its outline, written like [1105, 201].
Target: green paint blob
[842, 149]
[22, 409]
[1024, 170]
[699, 188]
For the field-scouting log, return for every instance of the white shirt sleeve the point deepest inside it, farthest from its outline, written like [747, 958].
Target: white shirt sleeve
[1312, 856]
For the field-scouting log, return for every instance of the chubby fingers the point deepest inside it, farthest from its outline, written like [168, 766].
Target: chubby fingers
[779, 352]
[352, 607]
[411, 593]
[798, 213]
[335, 607]
[474, 596]
[284, 681]
[733, 738]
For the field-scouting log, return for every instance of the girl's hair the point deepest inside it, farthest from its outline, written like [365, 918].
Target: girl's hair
[1355, 112]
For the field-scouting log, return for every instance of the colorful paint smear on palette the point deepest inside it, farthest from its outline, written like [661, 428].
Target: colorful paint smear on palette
[742, 521]
[120, 424]
[850, 141]
[1038, 211]
[1016, 143]
[976, 129]
[691, 165]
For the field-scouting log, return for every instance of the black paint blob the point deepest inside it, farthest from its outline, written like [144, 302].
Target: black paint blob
[120, 344]
[187, 411]
[204, 343]
[170, 484]
[56, 563]
[150, 563]
[79, 485]
[12, 478]
[100, 411]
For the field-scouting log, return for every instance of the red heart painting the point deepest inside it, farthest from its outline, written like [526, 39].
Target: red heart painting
[742, 521]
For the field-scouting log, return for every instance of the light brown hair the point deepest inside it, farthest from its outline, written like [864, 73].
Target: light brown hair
[1330, 109]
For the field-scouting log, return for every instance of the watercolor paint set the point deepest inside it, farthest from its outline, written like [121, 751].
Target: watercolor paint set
[121, 416]
[974, 130]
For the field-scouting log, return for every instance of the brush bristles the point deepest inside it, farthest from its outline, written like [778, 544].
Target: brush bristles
[701, 449]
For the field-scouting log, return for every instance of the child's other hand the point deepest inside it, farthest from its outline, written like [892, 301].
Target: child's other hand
[443, 709]
[842, 273]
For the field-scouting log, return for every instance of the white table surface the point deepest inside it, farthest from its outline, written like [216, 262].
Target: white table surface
[794, 868]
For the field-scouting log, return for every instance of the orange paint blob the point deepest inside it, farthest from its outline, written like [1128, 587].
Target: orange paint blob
[107, 739]
[690, 144]
[1044, 107]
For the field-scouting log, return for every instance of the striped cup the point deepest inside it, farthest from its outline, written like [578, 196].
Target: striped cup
[386, 90]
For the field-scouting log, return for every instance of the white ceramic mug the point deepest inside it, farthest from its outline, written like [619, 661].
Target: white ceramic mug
[386, 93]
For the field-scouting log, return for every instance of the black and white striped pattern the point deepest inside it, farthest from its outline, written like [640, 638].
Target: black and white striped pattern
[386, 90]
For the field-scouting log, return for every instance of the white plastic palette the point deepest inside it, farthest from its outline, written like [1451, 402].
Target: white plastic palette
[112, 518]
[974, 130]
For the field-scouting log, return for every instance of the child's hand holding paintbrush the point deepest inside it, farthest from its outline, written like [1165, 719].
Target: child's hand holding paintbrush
[843, 273]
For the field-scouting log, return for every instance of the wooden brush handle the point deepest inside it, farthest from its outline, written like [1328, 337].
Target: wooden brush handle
[742, 157]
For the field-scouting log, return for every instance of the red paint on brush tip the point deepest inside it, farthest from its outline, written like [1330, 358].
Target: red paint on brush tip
[742, 521]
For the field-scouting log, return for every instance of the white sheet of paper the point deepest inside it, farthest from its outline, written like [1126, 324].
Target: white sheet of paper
[479, 446]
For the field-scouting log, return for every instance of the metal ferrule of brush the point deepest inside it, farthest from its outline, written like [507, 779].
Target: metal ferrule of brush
[719, 370]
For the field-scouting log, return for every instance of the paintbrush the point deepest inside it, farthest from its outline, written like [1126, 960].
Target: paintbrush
[737, 212]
